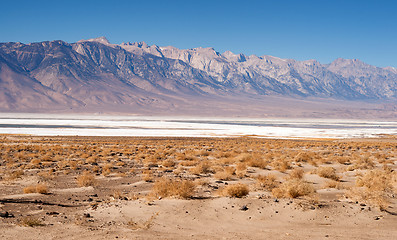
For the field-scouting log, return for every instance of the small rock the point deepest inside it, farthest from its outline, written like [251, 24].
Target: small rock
[276, 200]
[87, 215]
[244, 208]
[6, 215]
[52, 213]
[376, 218]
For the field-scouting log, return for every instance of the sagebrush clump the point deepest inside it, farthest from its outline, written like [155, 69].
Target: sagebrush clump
[238, 190]
[167, 187]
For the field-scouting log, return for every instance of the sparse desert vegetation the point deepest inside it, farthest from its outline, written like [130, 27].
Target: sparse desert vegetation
[76, 175]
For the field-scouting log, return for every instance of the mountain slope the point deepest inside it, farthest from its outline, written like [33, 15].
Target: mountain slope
[22, 93]
[97, 76]
[271, 75]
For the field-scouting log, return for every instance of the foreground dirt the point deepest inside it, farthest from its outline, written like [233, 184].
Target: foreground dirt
[121, 201]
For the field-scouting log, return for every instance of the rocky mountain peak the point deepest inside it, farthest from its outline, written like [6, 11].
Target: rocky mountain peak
[140, 44]
[136, 73]
[234, 57]
[102, 40]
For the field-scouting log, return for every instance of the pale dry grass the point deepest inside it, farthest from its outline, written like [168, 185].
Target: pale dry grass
[145, 225]
[238, 190]
[15, 174]
[167, 187]
[374, 187]
[267, 182]
[248, 160]
[327, 172]
[225, 174]
[85, 180]
[31, 222]
[293, 188]
[38, 188]
[201, 168]
[296, 173]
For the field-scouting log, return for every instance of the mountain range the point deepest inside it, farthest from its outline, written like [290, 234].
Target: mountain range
[96, 76]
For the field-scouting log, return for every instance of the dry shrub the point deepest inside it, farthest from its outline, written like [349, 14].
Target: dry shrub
[134, 225]
[374, 187]
[167, 187]
[168, 163]
[223, 175]
[30, 189]
[241, 169]
[296, 173]
[238, 190]
[202, 168]
[327, 172]
[107, 169]
[293, 188]
[153, 160]
[256, 161]
[117, 194]
[95, 169]
[91, 160]
[188, 163]
[179, 170]
[362, 163]
[343, 160]
[35, 162]
[147, 176]
[85, 180]
[303, 157]
[377, 180]
[31, 222]
[74, 165]
[333, 184]
[121, 164]
[38, 188]
[41, 188]
[268, 182]
[281, 165]
[243, 157]
[47, 175]
[15, 174]
[229, 160]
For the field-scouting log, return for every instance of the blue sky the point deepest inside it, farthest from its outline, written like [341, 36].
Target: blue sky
[323, 30]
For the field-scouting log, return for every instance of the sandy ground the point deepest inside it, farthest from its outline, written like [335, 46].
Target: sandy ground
[219, 218]
[119, 207]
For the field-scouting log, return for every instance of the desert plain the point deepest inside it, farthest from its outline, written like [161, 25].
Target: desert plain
[76, 187]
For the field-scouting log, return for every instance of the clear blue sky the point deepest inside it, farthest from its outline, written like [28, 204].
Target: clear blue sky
[323, 29]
